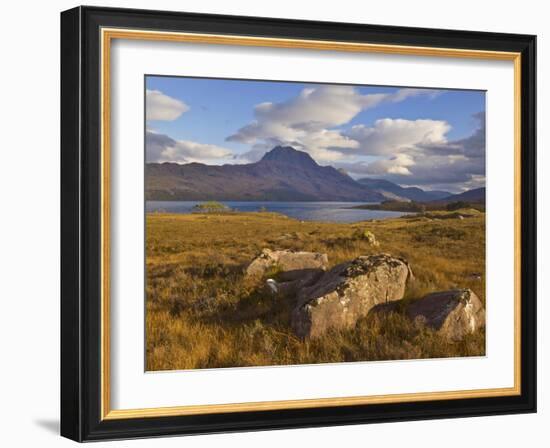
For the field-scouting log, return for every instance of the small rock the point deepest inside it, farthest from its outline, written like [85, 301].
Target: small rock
[348, 292]
[272, 285]
[453, 314]
[284, 236]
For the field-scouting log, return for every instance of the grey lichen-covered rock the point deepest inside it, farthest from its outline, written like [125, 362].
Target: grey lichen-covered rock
[348, 292]
[453, 314]
[286, 261]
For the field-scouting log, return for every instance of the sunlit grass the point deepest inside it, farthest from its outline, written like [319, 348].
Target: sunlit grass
[203, 313]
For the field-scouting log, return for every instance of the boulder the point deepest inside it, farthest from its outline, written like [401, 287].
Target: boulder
[294, 264]
[453, 314]
[348, 292]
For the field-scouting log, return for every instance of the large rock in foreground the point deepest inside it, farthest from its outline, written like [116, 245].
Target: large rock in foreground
[286, 261]
[453, 314]
[348, 292]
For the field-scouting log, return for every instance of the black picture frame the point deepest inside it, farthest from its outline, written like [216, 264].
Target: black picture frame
[81, 227]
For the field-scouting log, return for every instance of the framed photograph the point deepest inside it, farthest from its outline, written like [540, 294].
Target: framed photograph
[277, 224]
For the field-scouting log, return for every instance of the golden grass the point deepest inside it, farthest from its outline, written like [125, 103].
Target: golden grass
[203, 313]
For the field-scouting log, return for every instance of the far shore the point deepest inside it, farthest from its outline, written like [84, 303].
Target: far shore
[420, 207]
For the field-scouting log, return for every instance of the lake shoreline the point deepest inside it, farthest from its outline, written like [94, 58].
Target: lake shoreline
[329, 211]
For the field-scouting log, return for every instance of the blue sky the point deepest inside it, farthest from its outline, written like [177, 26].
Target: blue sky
[400, 134]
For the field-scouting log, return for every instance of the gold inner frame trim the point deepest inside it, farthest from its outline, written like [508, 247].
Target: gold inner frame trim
[107, 35]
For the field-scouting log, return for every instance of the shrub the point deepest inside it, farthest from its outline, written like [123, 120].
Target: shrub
[211, 206]
[366, 235]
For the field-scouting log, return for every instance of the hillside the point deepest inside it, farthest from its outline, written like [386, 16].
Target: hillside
[283, 174]
[475, 195]
[469, 199]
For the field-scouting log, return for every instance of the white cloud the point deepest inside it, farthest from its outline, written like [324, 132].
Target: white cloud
[398, 164]
[161, 148]
[417, 152]
[390, 136]
[307, 121]
[159, 106]
[403, 94]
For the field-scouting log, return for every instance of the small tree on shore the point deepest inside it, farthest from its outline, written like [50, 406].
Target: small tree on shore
[211, 206]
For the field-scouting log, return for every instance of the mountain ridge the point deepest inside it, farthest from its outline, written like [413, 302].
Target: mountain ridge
[473, 195]
[283, 174]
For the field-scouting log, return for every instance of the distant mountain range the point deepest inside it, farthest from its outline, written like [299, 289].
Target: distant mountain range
[283, 174]
[396, 192]
[476, 195]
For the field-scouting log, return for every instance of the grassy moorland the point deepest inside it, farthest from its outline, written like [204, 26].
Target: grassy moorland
[203, 313]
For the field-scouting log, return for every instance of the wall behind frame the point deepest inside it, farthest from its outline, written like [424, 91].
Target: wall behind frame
[29, 236]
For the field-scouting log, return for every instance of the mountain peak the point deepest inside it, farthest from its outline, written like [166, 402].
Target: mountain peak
[287, 154]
